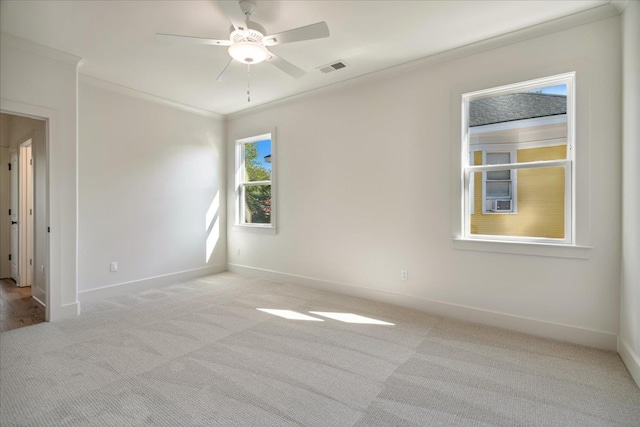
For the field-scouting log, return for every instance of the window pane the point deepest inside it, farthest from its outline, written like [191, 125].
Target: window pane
[257, 204]
[257, 161]
[539, 212]
[499, 175]
[533, 121]
[498, 189]
[498, 158]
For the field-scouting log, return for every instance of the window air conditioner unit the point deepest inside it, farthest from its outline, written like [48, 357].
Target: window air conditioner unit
[502, 205]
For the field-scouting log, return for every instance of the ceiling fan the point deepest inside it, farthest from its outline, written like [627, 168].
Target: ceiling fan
[248, 41]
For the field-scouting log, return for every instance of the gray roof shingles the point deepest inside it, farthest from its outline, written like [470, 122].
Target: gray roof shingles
[515, 106]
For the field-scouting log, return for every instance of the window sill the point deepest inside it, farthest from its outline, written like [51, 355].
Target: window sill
[259, 229]
[523, 248]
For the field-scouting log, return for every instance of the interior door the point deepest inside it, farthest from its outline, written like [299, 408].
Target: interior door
[14, 217]
[25, 214]
[28, 281]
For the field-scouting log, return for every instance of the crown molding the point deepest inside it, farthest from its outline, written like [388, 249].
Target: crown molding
[27, 45]
[134, 93]
[621, 5]
[577, 19]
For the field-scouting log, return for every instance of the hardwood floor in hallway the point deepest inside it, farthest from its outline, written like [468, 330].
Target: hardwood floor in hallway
[17, 308]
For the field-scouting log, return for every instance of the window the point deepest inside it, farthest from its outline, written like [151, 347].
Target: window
[255, 196]
[518, 143]
[499, 188]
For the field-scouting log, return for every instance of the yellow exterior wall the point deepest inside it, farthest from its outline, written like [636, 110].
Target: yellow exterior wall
[540, 199]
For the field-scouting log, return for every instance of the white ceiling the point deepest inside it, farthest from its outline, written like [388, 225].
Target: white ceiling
[116, 40]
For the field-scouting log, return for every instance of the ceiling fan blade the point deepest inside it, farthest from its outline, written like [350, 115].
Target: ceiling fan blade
[224, 74]
[191, 40]
[234, 13]
[286, 66]
[314, 31]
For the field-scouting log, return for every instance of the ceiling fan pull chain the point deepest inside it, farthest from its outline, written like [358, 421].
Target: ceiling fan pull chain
[248, 83]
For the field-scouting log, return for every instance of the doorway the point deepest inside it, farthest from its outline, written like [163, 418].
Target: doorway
[18, 307]
[24, 241]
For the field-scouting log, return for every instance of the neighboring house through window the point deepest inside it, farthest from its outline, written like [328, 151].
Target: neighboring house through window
[518, 162]
[499, 188]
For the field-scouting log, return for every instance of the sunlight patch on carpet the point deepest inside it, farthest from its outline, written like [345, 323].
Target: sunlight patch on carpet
[290, 314]
[351, 318]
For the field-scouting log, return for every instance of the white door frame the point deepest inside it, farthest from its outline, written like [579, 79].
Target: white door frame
[50, 117]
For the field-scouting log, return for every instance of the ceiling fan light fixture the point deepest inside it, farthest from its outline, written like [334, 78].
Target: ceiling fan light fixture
[248, 52]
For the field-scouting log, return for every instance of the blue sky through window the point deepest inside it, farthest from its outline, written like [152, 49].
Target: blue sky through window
[553, 90]
[264, 149]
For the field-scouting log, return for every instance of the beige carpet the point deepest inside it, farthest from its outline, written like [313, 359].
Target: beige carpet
[199, 353]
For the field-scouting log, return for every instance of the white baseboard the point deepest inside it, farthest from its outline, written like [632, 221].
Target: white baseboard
[38, 301]
[64, 311]
[39, 295]
[148, 283]
[630, 358]
[556, 331]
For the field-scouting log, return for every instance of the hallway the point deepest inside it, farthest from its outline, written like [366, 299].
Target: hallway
[17, 308]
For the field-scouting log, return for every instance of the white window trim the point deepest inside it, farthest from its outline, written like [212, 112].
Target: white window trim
[239, 225]
[523, 248]
[568, 163]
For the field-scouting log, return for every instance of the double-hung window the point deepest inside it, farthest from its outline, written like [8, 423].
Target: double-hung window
[255, 195]
[517, 162]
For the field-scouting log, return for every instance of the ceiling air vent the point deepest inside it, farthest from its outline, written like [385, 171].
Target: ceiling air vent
[332, 67]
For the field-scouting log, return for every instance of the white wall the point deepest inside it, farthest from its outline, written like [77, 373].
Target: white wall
[148, 177]
[629, 345]
[368, 175]
[19, 129]
[39, 81]
[5, 129]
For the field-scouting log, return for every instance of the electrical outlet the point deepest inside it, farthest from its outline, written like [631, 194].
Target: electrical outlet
[404, 275]
[114, 266]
